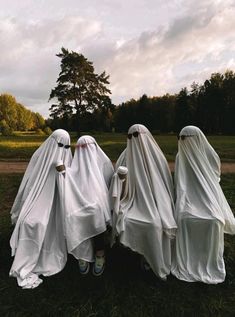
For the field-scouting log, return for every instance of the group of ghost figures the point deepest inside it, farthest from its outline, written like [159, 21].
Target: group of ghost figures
[64, 205]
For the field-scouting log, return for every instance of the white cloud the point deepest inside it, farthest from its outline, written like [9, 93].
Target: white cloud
[173, 57]
[147, 46]
[28, 65]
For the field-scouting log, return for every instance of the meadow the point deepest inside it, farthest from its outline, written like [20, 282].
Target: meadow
[123, 290]
[22, 145]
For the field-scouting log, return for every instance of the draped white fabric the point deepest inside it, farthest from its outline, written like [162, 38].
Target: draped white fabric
[143, 217]
[37, 241]
[202, 211]
[84, 193]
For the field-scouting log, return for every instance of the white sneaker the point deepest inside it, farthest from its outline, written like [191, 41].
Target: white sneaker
[98, 267]
[84, 266]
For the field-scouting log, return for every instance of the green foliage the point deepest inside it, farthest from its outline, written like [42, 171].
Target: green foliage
[5, 129]
[17, 117]
[79, 89]
[8, 110]
[39, 121]
[47, 130]
[210, 106]
[40, 132]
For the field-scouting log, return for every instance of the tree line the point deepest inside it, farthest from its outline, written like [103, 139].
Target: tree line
[83, 103]
[16, 117]
[210, 106]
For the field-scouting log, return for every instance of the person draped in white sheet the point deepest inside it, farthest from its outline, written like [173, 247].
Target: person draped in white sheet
[144, 203]
[202, 212]
[37, 242]
[84, 192]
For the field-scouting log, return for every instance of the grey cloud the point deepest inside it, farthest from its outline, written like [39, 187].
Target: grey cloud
[28, 65]
[146, 46]
[150, 60]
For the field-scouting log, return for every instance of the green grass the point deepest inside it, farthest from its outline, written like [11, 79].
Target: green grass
[123, 290]
[22, 146]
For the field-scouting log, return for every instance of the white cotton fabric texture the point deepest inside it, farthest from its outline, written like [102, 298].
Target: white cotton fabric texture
[143, 209]
[202, 212]
[37, 242]
[84, 193]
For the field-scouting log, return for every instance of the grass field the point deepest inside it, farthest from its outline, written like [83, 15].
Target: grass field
[123, 291]
[22, 146]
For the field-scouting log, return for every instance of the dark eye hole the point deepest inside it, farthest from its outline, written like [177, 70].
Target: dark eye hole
[135, 134]
[60, 144]
[183, 137]
[67, 146]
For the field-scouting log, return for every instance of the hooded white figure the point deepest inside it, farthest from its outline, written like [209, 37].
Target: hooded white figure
[84, 193]
[202, 212]
[143, 203]
[37, 241]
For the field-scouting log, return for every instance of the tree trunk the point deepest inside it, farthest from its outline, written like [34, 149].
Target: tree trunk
[78, 128]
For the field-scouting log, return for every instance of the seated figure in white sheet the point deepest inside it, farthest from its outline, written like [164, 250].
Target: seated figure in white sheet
[37, 242]
[143, 203]
[84, 194]
[202, 212]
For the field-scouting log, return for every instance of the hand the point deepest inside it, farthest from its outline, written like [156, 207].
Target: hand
[60, 168]
[122, 172]
[122, 176]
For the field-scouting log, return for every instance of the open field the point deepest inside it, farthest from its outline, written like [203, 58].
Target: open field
[22, 146]
[123, 291]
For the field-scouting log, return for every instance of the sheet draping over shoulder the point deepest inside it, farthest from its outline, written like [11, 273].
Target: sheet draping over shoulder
[84, 190]
[36, 242]
[202, 211]
[144, 215]
[197, 175]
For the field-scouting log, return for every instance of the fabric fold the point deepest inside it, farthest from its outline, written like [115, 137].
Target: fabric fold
[143, 204]
[36, 242]
[202, 212]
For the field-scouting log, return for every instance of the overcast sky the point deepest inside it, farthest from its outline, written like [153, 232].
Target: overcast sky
[146, 46]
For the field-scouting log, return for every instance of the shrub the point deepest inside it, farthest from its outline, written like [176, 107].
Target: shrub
[5, 129]
[47, 130]
[40, 132]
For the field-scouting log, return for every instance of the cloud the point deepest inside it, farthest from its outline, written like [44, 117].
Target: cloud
[167, 59]
[146, 46]
[28, 65]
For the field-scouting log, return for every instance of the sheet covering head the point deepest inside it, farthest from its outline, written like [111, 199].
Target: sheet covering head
[85, 192]
[89, 160]
[149, 176]
[197, 176]
[37, 242]
[144, 215]
[41, 166]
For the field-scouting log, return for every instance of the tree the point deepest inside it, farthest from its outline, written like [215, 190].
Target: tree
[15, 116]
[39, 121]
[183, 110]
[78, 88]
[8, 110]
